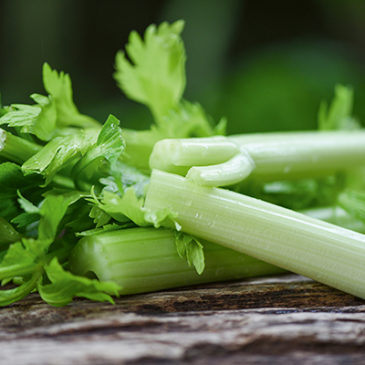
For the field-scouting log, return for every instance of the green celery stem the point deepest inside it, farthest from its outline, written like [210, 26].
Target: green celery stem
[227, 173]
[16, 149]
[289, 155]
[322, 251]
[139, 145]
[177, 155]
[145, 259]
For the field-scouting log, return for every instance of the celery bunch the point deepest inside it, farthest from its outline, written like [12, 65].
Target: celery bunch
[81, 217]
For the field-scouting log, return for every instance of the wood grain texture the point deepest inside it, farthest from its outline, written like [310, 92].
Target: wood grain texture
[277, 320]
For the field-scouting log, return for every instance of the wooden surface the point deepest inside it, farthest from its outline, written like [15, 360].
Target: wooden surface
[277, 320]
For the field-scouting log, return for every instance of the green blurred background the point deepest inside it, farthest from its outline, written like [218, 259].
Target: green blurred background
[265, 65]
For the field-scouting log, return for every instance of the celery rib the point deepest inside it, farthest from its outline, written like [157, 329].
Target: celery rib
[227, 173]
[178, 155]
[301, 154]
[324, 252]
[276, 156]
[16, 149]
[111, 256]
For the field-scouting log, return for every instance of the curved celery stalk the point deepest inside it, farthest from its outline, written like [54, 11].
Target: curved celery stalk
[324, 252]
[227, 173]
[277, 156]
[178, 155]
[146, 259]
[302, 154]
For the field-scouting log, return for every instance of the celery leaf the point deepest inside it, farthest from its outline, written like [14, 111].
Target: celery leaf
[64, 286]
[59, 153]
[354, 203]
[190, 249]
[99, 216]
[155, 74]
[58, 85]
[12, 295]
[123, 208]
[338, 116]
[52, 211]
[7, 233]
[189, 120]
[24, 260]
[108, 148]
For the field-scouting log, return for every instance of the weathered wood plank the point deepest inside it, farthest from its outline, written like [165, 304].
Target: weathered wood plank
[273, 320]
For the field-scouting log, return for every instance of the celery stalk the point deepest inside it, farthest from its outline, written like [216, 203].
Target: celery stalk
[139, 145]
[177, 155]
[301, 154]
[324, 252]
[146, 259]
[227, 173]
[16, 149]
[276, 156]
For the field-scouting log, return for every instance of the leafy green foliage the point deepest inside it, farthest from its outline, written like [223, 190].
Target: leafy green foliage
[23, 259]
[124, 176]
[156, 77]
[39, 119]
[76, 180]
[99, 156]
[100, 217]
[299, 194]
[52, 211]
[338, 115]
[103, 229]
[28, 258]
[58, 85]
[190, 249]
[7, 233]
[156, 74]
[64, 286]
[59, 153]
[189, 119]
[30, 214]
[123, 208]
[12, 179]
[354, 203]
[21, 115]
[51, 113]
[10, 296]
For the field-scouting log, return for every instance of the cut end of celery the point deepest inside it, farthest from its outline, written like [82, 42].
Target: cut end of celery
[146, 259]
[88, 258]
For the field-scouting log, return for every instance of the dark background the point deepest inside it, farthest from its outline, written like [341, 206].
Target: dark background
[266, 65]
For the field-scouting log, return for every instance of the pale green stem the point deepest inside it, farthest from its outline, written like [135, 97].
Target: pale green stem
[324, 252]
[277, 156]
[16, 149]
[146, 259]
[178, 155]
[227, 173]
[139, 145]
[289, 155]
